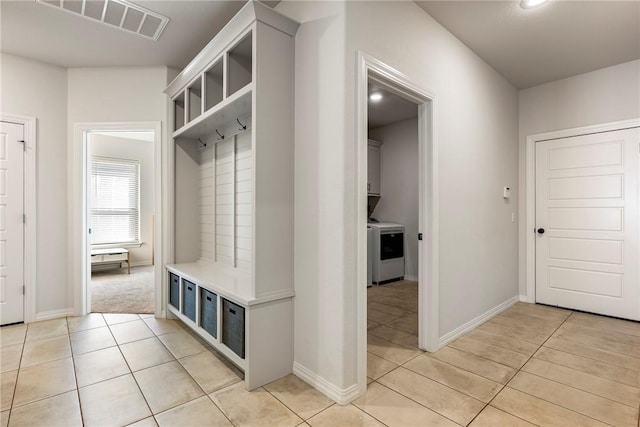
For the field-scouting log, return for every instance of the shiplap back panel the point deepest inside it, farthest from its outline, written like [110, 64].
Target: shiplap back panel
[243, 201]
[234, 199]
[206, 204]
[224, 153]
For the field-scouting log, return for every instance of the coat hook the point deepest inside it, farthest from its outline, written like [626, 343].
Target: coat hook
[219, 134]
[202, 143]
[243, 127]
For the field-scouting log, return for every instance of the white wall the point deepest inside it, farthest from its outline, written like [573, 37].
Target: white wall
[399, 184]
[321, 303]
[142, 151]
[476, 132]
[129, 94]
[607, 95]
[39, 90]
[117, 94]
[476, 122]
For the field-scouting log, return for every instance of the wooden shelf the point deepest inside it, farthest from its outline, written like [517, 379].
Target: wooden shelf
[237, 105]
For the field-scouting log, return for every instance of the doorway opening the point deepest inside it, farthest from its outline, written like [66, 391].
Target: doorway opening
[120, 211]
[397, 220]
[392, 228]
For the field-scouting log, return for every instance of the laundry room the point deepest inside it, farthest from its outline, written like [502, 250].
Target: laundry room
[393, 170]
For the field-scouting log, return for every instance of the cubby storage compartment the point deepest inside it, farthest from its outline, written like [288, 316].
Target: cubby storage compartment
[195, 99]
[233, 158]
[189, 299]
[209, 312]
[178, 107]
[239, 65]
[214, 84]
[174, 290]
[233, 327]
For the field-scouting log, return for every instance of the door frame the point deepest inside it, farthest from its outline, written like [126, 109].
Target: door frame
[80, 258]
[428, 285]
[530, 189]
[30, 209]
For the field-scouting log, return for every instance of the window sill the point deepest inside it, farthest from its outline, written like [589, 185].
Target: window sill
[118, 245]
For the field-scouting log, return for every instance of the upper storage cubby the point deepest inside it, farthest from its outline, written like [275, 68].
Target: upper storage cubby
[195, 99]
[216, 90]
[178, 108]
[223, 75]
[214, 83]
[239, 65]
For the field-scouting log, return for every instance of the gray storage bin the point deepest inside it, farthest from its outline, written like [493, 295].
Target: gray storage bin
[233, 327]
[174, 290]
[209, 312]
[189, 299]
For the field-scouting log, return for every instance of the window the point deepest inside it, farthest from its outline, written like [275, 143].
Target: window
[115, 199]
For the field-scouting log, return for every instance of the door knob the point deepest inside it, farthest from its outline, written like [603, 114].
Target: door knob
[540, 230]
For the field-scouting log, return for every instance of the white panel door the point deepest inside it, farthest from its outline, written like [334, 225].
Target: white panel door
[11, 223]
[587, 223]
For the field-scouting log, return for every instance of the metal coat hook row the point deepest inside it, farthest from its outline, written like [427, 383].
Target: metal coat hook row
[242, 127]
[202, 143]
[219, 134]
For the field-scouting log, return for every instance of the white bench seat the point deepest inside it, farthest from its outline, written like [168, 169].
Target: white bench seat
[111, 255]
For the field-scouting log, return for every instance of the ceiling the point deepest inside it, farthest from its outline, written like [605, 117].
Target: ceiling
[528, 47]
[556, 40]
[58, 37]
[390, 109]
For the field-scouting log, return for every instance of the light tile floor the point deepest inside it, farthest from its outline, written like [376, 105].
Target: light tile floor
[530, 365]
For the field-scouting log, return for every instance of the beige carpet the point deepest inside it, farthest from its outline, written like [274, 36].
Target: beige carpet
[115, 291]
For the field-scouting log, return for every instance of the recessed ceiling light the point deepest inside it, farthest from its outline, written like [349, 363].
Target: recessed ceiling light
[375, 97]
[530, 4]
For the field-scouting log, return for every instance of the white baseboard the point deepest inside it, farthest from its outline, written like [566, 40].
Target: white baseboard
[53, 314]
[139, 264]
[340, 396]
[473, 323]
[524, 298]
[411, 278]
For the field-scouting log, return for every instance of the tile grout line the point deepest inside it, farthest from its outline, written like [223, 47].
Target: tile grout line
[304, 420]
[75, 375]
[520, 370]
[129, 367]
[205, 394]
[570, 386]
[552, 403]
[371, 415]
[502, 346]
[471, 372]
[15, 387]
[413, 400]
[37, 364]
[615, 353]
[595, 360]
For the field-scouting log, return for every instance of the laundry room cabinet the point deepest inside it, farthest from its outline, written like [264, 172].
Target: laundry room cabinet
[373, 168]
[232, 183]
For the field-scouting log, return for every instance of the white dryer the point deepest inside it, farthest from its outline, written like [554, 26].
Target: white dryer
[387, 252]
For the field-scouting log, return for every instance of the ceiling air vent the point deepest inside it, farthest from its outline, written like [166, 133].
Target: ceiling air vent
[120, 14]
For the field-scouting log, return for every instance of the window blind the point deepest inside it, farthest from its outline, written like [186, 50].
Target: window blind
[115, 201]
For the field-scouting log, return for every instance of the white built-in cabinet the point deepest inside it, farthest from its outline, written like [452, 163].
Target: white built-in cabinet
[232, 276]
[373, 168]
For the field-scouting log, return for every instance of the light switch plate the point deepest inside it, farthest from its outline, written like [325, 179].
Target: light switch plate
[506, 192]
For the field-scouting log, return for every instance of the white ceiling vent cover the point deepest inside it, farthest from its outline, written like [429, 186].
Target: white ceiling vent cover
[120, 14]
